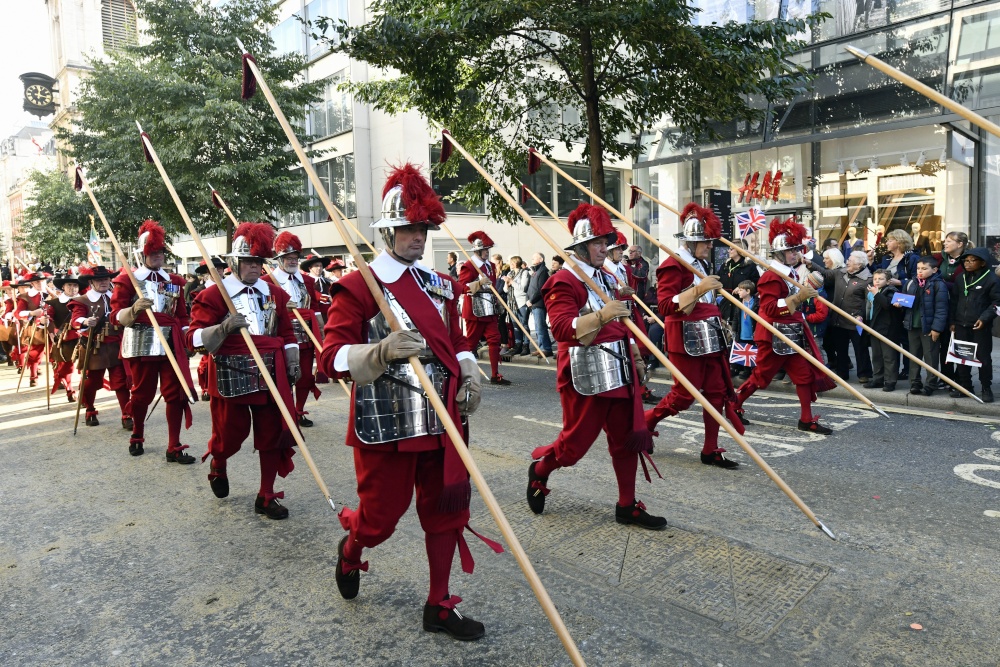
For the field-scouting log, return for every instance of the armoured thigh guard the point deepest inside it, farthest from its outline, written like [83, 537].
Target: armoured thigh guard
[706, 336]
[794, 331]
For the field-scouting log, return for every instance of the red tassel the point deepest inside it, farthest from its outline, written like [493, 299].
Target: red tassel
[635, 197]
[249, 88]
[524, 195]
[215, 199]
[145, 148]
[446, 146]
[534, 162]
[78, 180]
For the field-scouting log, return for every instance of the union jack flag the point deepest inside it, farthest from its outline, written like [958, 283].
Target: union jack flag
[743, 355]
[750, 221]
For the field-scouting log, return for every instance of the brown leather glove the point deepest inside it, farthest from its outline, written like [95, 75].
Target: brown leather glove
[126, 316]
[292, 364]
[470, 377]
[687, 299]
[624, 291]
[793, 301]
[213, 337]
[366, 362]
[588, 326]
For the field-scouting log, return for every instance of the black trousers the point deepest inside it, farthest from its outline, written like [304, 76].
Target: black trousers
[840, 341]
[984, 353]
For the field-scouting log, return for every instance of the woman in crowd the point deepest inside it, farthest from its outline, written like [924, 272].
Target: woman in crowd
[517, 298]
[736, 270]
[833, 260]
[956, 244]
[849, 287]
[900, 262]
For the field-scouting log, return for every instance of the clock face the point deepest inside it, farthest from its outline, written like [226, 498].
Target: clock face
[38, 95]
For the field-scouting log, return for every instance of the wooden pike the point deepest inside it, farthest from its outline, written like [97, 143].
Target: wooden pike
[453, 433]
[82, 183]
[639, 336]
[268, 380]
[24, 357]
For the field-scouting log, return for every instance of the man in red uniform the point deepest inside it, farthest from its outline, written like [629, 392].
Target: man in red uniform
[91, 316]
[779, 305]
[163, 294]
[597, 375]
[398, 440]
[303, 299]
[479, 306]
[31, 313]
[67, 337]
[696, 343]
[239, 396]
[207, 282]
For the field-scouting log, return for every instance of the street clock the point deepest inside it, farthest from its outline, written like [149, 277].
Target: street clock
[39, 94]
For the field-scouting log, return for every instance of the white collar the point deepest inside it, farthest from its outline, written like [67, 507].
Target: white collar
[63, 298]
[143, 272]
[209, 282]
[685, 254]
[389, 269]
[234, 286]
[283, 276]
[587, 268]
[478, 263]
[33, 292]
[781, 267]
[613, 267]
[94, 295]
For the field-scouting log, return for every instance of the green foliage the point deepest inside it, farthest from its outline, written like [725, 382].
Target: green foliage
[56, 226]
[497, 73]
[183, 85]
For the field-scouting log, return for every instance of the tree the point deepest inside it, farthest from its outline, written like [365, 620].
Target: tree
[182, 83]
[57, 224]
[497, 73]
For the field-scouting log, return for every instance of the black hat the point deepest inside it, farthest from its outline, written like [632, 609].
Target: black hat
[311, 259]
[203, 268]
[981, 253]
[29, 278]
[65, 278]
[98, 273]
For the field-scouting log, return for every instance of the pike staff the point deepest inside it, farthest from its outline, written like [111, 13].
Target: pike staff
[637, 333]
[837, 310]
[151, 156]
[81, 183]
[250, 67]
[24, 356]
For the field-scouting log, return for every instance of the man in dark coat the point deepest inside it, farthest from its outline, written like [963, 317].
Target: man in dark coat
[975, 295]
[539, 276]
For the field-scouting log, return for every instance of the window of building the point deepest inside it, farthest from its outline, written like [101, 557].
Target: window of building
[447, 187]
[335, 10]
[568, 196]
[334, 114]
[118, 23]
[337, 176]
[289, 36]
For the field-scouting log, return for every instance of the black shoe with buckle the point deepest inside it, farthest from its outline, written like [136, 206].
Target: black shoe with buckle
[33, 382]
[305, 421]
[741, 413]
[500, 380]
[135, 447]
[178, 456]
[445, 618]
[536, 490]
[271, 508]
[348, 575]
[717, 459]
[219, 482]
[205, 396]
[127, 424]
[814, 427]
[70, 396]
[92, 419]
[636, 515]
[649, 397]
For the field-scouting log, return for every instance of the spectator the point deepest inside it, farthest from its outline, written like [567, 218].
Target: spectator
[736, 270]
[453, 265]
[556, 264]
[901, 261]
[653, 329]
[848, 286]
[975, 295]
[502, 319]
[925, 321]
[955, 245]
[640, 270]
[832, 259]
[517, 280]
[888, 321]
[746, 292]
[539, 274]
[830, 243]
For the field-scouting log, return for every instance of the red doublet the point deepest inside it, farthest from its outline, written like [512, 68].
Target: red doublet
[307, 351]
[616, 412]
[478, 327]
[103, 358]
[146, 371]
[26, 302]
[63, 371]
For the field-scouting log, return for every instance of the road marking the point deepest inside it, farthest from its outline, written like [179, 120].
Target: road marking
[992, 514]
[967, 471]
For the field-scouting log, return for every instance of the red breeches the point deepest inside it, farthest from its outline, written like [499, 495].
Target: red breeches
[476, 329]
[146, 371]
[231, 424]
[306, 383]
[116, 382]
[63, 374]
[584, 417]
[203, 373]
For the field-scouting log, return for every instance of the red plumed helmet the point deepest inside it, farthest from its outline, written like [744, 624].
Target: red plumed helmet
[152, 238]
[619, 242]
[785, 235]
[252, 239]
[588, 222]
[480, 241]
[699, 223]
[286, 243]
[408, 199]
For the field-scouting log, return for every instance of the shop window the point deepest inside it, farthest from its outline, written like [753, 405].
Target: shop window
[334, 113]
[118, 23]
[334, 10]
[447, 187]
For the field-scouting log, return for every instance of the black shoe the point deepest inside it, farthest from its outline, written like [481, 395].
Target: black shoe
[220, 484]
[448, 619]
[649, 397]
[916, 388]
[135, 448]
[500, 380]
[205, 396]
[864, 380]
[636, 515]
[889, 386]
[33, 382]
[717, 459]
[348, 583]
[179, 457]
[955, 393]
[92, 420]
[273, 509]
[874, 384]
[525, 351]
[127, 423]
[305, 421]
[987, 395]
[536, 490]
[71, 396]
[928, 390]
[741, 413]
[814, 427]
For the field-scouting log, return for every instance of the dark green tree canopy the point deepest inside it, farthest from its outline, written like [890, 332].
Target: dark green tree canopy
[57, 224]
[490, 71]
[183, 85]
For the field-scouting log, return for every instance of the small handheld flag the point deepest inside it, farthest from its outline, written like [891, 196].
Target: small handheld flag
[93, 246]
[743, 355]
[750, 221]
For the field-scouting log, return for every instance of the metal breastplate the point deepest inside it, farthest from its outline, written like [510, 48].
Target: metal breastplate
[601, 367]
[238, 374]
[795, 331]
[594, 302]
[297, 295]
[140, 340]
[483, 304]
[300, 333]
[164, 295]
[703, 337]
[394, 406]
[259, 312]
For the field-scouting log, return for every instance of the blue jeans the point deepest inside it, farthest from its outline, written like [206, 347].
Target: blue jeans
[522, 317]
[542, 330]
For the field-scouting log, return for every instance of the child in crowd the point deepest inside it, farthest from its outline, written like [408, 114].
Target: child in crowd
[881, 316]
[746, 292]
[975, 295]
[926, 321]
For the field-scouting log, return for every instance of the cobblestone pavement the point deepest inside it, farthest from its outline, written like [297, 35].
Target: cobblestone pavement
[108, 559]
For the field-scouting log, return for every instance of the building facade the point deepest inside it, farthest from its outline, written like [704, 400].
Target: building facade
[30, 148]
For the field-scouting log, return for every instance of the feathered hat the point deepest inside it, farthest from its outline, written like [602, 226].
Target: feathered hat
[251, 239]
[286, 243]
[152, 238]
[588, 222]
[699, 223]
[785, 235]
[619, 242]
[335, 264]
[408, 199]
[311, 259]
[97, 273]
[480, 241]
